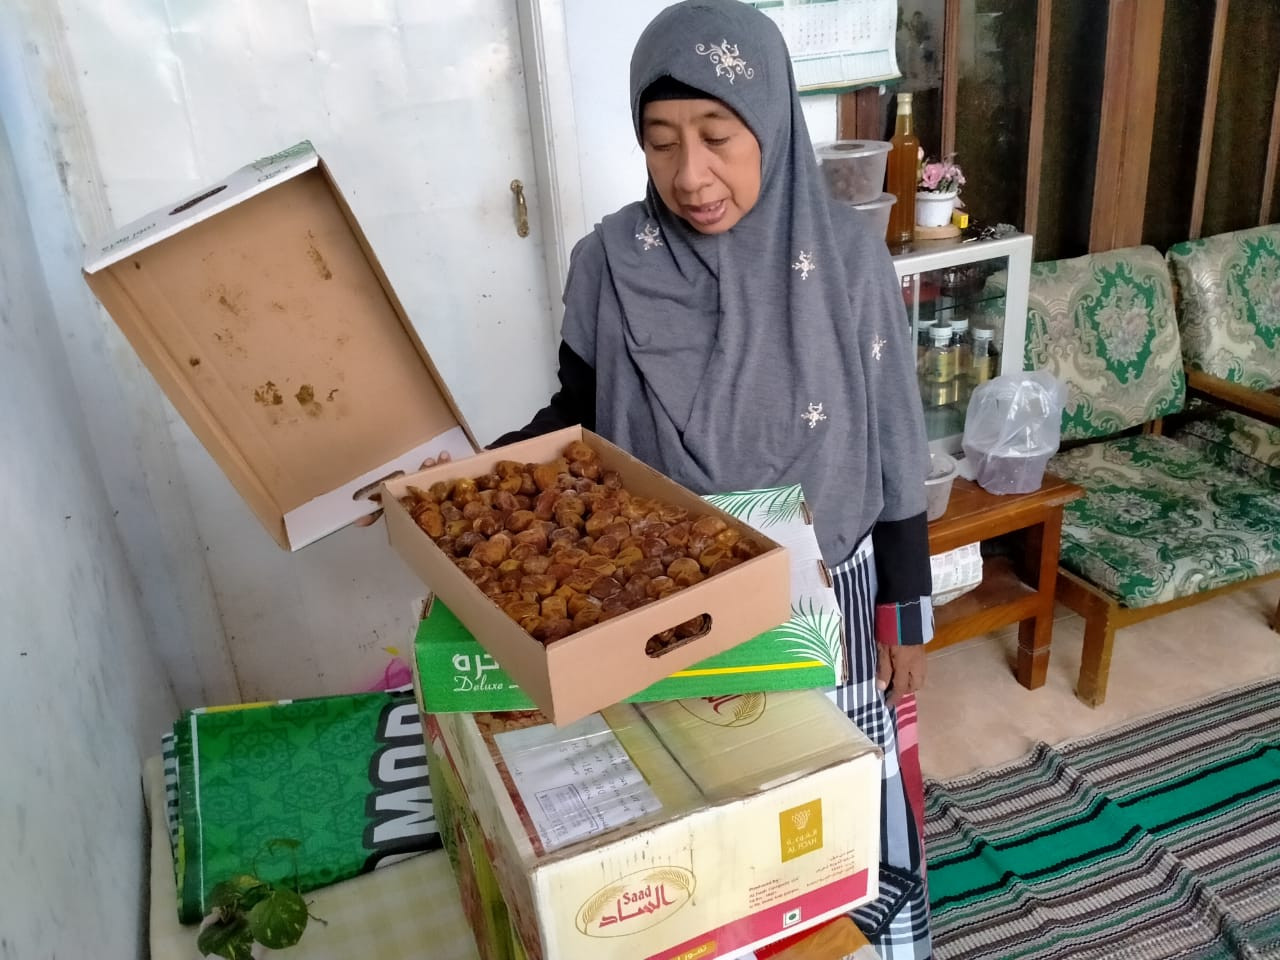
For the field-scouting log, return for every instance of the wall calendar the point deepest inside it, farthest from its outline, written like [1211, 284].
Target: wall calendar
[837, 44]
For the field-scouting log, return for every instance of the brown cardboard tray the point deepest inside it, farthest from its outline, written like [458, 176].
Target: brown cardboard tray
[260, 309]
[604, 664]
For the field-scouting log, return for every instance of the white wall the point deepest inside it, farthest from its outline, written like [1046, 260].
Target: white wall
[125, 412]
[83, 696]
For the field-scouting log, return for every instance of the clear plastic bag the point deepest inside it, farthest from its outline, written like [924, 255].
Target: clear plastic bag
[1012, 427]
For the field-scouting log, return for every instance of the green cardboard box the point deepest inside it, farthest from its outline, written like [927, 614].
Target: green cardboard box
[457, 675]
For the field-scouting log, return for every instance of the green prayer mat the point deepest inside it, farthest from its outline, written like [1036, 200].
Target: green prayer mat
[342, 781]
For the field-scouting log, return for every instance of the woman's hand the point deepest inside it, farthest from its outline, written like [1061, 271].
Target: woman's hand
[372, 518]
[900, 671]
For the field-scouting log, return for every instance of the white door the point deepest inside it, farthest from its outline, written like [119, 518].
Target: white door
[420, 110]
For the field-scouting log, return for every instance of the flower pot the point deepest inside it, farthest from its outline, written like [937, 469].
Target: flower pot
[934, 209]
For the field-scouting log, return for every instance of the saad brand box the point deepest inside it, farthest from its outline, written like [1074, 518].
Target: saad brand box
[686, 829]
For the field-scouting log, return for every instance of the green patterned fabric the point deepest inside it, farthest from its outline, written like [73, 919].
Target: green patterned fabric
[1238, 443]
[1229, 304]
[1161, 521]
[328, 787]
[1104, 324]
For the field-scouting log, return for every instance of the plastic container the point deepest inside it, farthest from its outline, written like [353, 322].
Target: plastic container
[1011, 471]
[1012, 428]
[937, 486]
[854, 169]
[878, 212]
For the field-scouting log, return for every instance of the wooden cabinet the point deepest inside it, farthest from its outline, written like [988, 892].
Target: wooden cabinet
[1017, 588]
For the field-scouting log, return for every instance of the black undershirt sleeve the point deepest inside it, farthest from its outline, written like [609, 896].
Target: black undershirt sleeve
[902, 559]
[574, 403]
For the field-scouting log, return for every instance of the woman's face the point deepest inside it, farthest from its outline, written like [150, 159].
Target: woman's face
[704, 161]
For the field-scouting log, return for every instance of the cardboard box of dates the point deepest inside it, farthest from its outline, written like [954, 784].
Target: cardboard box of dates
[567, 661]
[666, 831]
[455, 674]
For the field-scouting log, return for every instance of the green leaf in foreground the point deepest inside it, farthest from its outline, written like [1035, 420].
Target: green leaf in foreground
[279, 920]
[241, 891]
[227, 937]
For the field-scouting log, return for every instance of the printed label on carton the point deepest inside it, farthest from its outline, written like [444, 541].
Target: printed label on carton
[732, 710]
[575, 782]
[636, 902]
[800, 830]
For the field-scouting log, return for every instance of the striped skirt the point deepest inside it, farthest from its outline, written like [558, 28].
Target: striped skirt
[897, 924]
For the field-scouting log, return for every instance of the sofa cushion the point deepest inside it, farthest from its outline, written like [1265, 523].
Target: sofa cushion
[1104, 324]
[1232, 440]
[1161, 521]
[1228, 297]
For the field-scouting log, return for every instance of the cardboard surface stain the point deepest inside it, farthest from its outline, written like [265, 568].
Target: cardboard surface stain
[229, 345]
[268, 395]
[317, 258]
[306, 397]
[194, 361]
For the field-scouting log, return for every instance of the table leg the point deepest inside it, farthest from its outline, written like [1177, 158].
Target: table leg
[1035, 634]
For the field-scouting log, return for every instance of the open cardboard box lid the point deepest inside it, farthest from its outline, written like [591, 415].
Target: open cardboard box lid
[259, 307]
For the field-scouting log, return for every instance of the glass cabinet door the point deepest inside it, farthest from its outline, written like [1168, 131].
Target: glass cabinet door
[966, 304]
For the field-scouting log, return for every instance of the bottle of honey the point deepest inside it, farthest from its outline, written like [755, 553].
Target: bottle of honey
[901, 179]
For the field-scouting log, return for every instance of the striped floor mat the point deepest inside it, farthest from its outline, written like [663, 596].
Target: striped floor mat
[1155, 840]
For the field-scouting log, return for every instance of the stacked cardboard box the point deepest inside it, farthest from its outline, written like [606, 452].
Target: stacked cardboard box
[684, 829]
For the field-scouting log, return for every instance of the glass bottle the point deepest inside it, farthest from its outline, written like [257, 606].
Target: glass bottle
[960, 340]
[922, 347]
[964, 356]
[938, 381]
[984, 363]
[901, 180]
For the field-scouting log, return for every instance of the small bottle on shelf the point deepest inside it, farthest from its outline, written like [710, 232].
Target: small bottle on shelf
[922, 347]
[938, 385]
[903, 163]
[960, 340]
[984, 363]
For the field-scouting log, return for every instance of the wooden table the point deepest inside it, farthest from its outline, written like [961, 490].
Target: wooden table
[1018, 590]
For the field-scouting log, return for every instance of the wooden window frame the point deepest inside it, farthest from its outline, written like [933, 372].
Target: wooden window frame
[1135, 30]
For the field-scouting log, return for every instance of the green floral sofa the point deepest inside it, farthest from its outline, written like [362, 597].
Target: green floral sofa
[1162, 524]
[1228, 305]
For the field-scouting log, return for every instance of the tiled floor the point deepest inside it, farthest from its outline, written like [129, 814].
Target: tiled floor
[973, 713]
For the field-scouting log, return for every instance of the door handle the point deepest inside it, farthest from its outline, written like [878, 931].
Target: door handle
[522, 209]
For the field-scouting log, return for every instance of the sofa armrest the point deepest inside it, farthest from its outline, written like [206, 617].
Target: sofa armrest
[1263, 404]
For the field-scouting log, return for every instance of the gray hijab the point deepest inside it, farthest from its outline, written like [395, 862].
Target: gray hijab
[775, 353]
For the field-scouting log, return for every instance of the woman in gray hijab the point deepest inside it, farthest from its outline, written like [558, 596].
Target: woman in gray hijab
[738, 329]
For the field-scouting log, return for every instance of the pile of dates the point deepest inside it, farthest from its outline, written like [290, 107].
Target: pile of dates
[562, 546]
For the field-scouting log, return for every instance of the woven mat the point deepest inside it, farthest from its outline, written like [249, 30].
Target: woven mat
[1158, 839]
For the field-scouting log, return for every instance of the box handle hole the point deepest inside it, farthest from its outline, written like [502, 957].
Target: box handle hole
[368, 488]
[660, 644]
[194, 200]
